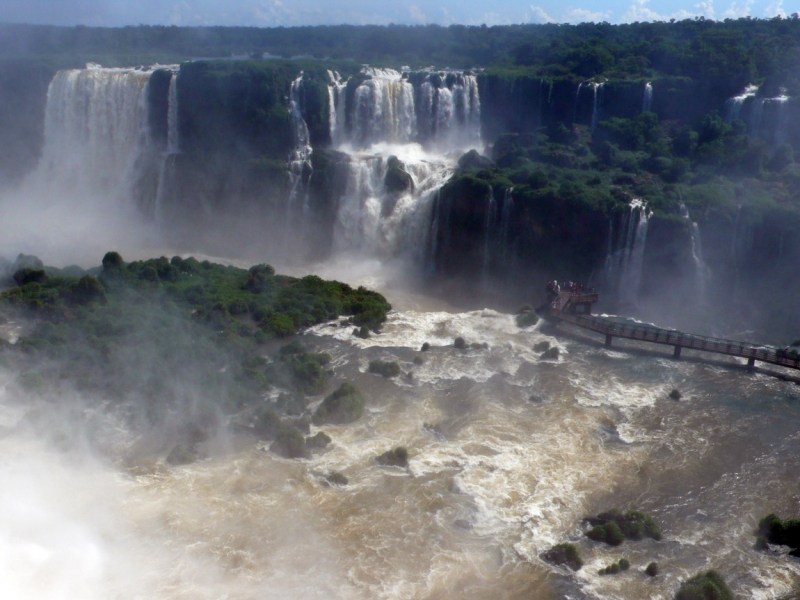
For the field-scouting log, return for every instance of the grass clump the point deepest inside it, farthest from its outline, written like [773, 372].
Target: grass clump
[384, 368]
[705, 586]
[344, 405]
[564, 554]
[397, 457]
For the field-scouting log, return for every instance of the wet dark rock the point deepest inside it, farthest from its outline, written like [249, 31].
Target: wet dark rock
[398, 457]
[336, 478]
[418, 360]
[463, 524]
[181, 455]
[624, 564]
[675, 394]
[564, 554]
[397, 179]
[772, 530]
[318, 441]
[542, 346]
[473, 160]
[425, 347]
[289, 443]
[652, 569]
[527, 319]
[536, 399]
[460, 344]
[344, 405]
[705, 586]
[477, 346]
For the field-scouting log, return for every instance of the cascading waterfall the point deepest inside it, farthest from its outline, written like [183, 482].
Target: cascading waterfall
[505, 219]
[625, 255]
[577, 99]
[96, 132]
[701, 270]
[596, 88]
[733, 106]
[300, 166]
[384, 109]
[165, 178]
[647, 101]
[336, 107]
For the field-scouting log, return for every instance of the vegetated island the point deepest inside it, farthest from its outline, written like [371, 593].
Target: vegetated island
[181, 342]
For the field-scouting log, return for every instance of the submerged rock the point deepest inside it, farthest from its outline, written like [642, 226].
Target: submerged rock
[318, 441]
[384, 368]
[181, 455]
[336, 478]
[398, 457]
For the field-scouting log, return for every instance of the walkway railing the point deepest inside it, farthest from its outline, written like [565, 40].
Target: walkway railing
[670, 337]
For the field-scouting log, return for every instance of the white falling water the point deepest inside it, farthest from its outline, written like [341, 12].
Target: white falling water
[95, 131]
[733, 106]
[577, 99]
[173, 135]
[336, 107]
[300, 158]
[647, 101]
[625, 256]
[374, 223]
[701, 271]
[596, 87]
[384, 110]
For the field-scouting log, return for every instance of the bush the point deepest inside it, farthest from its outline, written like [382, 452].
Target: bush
[624, 564]
[705, 586]
[345, 405]
[613, 527]
[384, 368]
[28, 275]
[774, 531]
[652, 569]
[527, 319]
[289, 443]
[112, 261]
[460, 344]
[564, 554]
[336, 478]
[610, 533]
[307, 371]
[397, 457]
[363, 333]
[293, 347]
[318, 441]
[267, 423]
[550, 354]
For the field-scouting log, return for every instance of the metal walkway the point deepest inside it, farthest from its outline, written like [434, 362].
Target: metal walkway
[670, 337]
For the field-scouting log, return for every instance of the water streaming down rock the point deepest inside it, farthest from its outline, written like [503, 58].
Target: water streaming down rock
[300, 167]
[597, 89]
[337, 116]
[97, 140]
[733, 106]
[701, 271]
[166, 179]
[647, 101]
[625, 254]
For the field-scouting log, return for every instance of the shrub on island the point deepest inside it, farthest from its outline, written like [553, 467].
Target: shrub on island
[384, 368]
[705, 586]
[344, 405]
[527, 319]
[613, 527]
[397, 457]
[318, 441]
[564, 554]
[289, 443]
[783, 533]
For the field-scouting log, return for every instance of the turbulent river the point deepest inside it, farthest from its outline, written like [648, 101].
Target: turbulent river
[508, 453]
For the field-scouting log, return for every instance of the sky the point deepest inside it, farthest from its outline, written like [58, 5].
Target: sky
[271, 13]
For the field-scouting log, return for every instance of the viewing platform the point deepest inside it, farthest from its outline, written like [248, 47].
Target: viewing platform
[572, 304]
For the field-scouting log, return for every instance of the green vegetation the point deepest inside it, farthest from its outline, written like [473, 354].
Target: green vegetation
[289, 443]
[564, 554]
[344, 405]
[384, 368]
[705, 586]
[614, 568]
[613, 527]
[397, 457]
[772, 530]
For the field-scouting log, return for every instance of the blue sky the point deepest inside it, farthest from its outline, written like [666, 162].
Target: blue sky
[267, 13]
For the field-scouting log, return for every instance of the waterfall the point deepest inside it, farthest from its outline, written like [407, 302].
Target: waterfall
[336, 107]
[300, 166]
[625, 255]
[377, 223]
[595, 108]
[782, 121]
[648, 97]
[701, 271]
[96, 134]
[488, 230]
[384, 109]
[173, 136]
[577, 99]
[505, 221]
[733, 106]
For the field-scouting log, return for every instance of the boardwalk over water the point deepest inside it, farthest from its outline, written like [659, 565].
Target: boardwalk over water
[670, 337]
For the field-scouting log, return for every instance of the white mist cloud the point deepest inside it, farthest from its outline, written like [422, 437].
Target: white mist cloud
[640, 11]
[738, 9]
[417, 16]
[583, 15]
[775, 8]
[538, 15]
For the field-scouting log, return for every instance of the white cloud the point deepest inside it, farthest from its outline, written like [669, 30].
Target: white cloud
[538, 16]
[737, 10]
[582, 15]
[775, 8]
[639, 11]
[416, 14]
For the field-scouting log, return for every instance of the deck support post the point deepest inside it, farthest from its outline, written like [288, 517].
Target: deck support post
[677, 353]
[608, 340]
[751, 364]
